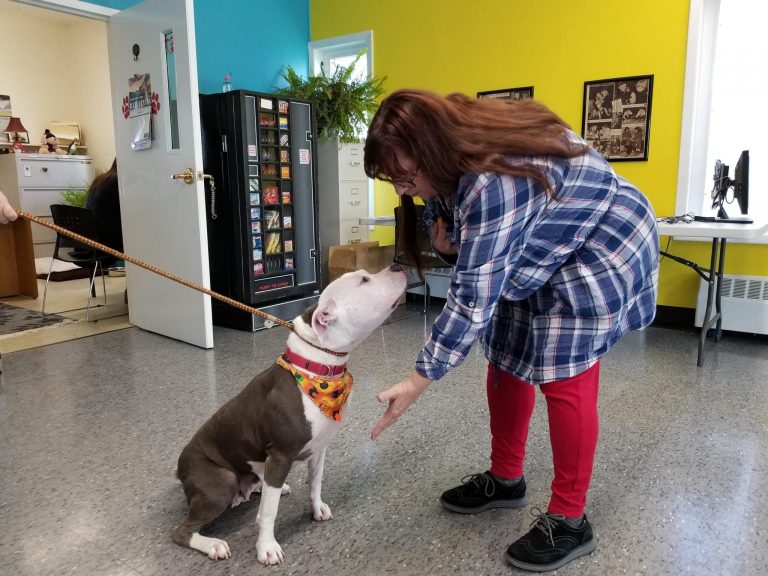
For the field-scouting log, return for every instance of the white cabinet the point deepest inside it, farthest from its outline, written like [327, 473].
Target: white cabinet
[342, 196]
[32, 182]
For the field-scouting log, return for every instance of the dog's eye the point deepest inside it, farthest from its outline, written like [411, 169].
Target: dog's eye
[364, 279]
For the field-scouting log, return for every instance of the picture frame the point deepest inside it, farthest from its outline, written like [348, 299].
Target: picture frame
[616, 117]
[5, 116]
[522, 93]
[23, 137]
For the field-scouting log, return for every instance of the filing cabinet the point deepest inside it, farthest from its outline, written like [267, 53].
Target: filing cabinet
[342, 196]
[32, 182]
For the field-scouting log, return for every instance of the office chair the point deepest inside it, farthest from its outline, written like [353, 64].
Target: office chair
[80, 221]
[429, 259]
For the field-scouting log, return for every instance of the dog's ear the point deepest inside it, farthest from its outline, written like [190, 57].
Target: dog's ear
[307, 314]
[323, 317]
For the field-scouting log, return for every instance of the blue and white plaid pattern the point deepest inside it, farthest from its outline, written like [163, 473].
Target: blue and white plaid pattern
[553, 283]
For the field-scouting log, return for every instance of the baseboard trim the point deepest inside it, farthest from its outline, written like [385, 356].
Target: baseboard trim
[675, 317]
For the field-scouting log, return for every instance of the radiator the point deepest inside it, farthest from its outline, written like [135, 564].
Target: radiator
[744, 303]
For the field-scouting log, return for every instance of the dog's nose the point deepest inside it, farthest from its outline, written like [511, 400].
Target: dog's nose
[395, 267]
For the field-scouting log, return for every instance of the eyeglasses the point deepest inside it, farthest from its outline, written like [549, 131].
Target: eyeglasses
[405, 183]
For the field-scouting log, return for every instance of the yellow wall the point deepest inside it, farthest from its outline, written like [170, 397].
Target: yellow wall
[554, 45]
[56, 68]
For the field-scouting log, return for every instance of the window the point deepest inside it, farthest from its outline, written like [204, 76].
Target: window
[330, 53]
[326, 55]
[722, 114]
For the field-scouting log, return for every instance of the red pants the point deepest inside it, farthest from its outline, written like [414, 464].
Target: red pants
[573, 430]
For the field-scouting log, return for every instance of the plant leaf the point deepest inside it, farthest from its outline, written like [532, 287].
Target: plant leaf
[343, 105]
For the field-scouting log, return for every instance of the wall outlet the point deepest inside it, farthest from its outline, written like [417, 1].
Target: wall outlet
[27, 170]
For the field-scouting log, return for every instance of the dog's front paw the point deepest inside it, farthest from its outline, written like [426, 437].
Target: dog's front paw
[214, 548]
[219, 550]
[321, 511]
[269, 552]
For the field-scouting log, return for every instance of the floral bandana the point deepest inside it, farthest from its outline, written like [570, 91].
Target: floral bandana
[328, 394]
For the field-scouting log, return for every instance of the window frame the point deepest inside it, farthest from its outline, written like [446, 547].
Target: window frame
[346, 45]
[697, 103]
[694, 173]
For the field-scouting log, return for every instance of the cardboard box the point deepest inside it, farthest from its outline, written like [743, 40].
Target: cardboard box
[362, 256]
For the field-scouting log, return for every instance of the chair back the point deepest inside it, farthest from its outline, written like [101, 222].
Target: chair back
[423, 241]
[79, 221]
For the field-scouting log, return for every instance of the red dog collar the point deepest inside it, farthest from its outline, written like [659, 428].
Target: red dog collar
[316, 367]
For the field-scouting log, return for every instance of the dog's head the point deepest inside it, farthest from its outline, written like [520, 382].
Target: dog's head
[353, 306]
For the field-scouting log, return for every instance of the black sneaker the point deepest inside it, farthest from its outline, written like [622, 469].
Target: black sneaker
[550, 544]
[479, 492]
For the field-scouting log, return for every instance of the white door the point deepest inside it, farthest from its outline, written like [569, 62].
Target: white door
[163, 219]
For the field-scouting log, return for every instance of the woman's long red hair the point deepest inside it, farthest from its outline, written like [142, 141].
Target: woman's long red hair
[451, 136]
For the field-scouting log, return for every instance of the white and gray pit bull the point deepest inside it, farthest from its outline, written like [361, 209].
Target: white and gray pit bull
[289, 412]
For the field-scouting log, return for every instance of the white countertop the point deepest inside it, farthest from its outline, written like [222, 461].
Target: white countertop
[680, 229]
[714, 230]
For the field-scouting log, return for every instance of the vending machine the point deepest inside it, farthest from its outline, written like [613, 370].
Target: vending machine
[261, 211]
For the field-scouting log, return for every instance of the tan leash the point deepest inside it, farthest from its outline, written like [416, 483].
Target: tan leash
[170, 276]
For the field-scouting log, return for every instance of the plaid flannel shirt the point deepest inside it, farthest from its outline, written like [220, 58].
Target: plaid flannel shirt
[552, 283]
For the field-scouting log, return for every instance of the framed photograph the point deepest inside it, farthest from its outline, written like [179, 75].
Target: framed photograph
[5, 116]
[617, 117]
[5, 105]
[508, 93]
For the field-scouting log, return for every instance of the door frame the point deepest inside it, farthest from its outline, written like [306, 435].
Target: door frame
[74, 7]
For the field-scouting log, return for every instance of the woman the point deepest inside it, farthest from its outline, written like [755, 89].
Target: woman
[103, 200]
[7, 213]
[556, 257]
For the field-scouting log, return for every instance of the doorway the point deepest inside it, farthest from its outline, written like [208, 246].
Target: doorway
[56, 68]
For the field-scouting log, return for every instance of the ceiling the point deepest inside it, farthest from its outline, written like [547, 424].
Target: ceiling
[38, 13]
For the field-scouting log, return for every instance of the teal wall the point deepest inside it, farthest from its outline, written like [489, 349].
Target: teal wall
[252, 39]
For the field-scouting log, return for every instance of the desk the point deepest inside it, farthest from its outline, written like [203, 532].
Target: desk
[378, 221]
[17, 260]
[719, 233]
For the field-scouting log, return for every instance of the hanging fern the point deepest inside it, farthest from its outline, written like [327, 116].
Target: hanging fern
[343, 106]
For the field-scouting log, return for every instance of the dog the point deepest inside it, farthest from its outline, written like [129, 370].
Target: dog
[289, 412]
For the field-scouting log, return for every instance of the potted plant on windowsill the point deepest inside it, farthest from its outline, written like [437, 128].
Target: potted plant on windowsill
[344, 105]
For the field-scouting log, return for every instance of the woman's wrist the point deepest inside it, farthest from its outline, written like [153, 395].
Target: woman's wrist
[420, 382]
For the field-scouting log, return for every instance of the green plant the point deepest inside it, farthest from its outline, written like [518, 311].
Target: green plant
[74, 197]
[343, 105]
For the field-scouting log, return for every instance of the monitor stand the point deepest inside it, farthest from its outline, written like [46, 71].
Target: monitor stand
[722, 216]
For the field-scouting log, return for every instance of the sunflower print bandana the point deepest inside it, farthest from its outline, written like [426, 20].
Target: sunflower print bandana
[328, 394]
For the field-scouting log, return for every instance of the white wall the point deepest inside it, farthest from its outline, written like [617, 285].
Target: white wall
[55, 67]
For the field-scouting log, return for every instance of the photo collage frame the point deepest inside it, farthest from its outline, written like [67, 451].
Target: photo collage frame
[616, 114]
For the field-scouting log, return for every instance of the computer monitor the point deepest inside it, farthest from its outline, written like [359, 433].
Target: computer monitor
[740, 186]
[741, 182]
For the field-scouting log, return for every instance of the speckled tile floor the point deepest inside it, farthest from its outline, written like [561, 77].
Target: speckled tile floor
[90, 431]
